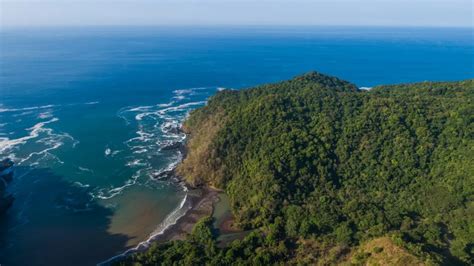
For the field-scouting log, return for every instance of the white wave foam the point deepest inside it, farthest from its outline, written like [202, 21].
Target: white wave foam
[45, 115]
[7, 144]
[48, 141]
[140, 116]
[136, 162]
[22, 113]
[179, 97]
[43, 154]
[84, 169]
[165, 104]
[79, 184]
[140, 151]
[3, 110]
[139, 109]
[365, 88]
[180, 107]
[170, 125]
[74, 141]
[185, 91]
[92, 103]
[189, 90]
[109, 152]
[106, 194]
[157, 125]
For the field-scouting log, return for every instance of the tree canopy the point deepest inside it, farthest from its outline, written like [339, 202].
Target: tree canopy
[319, 167]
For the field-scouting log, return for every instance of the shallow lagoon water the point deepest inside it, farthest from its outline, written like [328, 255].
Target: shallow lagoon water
[85, 113]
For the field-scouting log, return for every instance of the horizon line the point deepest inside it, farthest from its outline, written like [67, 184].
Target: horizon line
[236, 26]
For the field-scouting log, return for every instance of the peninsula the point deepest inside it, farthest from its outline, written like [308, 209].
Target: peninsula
[317, 171]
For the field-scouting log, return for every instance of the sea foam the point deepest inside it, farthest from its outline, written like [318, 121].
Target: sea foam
[157, 126]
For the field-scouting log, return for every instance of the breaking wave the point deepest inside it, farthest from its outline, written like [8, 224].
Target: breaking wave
[33, 144]
[158, 134]
[158, 137]
[3, 110]
[43, 140]
[153, 148]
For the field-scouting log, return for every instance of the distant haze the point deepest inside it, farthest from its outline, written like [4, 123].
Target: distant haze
[457, 13]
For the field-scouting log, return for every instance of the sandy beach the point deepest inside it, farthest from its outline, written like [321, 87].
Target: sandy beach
[202, 201]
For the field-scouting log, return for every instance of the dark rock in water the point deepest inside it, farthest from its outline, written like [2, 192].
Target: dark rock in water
[6, 176]
[6, 170]
[173, 129]
[165, 175]
[172, 146]
[6, 167]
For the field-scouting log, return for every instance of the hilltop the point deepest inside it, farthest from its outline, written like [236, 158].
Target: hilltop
[323, 173]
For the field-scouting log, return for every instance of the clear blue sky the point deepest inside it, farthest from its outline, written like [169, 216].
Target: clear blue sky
[237, 12]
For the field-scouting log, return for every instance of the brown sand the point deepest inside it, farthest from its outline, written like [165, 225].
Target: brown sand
[202, 202]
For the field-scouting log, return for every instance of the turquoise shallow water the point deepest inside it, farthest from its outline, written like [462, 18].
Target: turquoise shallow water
[85, 114]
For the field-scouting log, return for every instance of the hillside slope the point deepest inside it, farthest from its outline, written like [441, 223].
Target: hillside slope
[315, 160]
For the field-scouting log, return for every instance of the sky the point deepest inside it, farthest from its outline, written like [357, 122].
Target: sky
[434, 13]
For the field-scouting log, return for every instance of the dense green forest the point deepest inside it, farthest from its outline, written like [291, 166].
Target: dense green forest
[318, 168]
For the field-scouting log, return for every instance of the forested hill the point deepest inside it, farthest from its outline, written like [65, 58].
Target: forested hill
[320, 168]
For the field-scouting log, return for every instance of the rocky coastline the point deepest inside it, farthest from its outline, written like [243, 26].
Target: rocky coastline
[202, 201]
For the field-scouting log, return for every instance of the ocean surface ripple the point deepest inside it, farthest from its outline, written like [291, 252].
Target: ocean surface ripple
[37, 137]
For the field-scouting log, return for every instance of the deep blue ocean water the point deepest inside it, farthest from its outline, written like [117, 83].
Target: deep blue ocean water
[85, 113]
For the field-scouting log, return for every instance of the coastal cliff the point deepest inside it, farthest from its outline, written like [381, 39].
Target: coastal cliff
[321, 172]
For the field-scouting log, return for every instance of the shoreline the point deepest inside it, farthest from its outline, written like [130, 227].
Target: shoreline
[202, 202]
[199, 202]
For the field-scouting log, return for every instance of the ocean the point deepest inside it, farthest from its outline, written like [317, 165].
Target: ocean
[90, 116]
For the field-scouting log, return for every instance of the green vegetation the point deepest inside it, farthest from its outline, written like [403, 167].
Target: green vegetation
[318, 167]
[199, 247]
